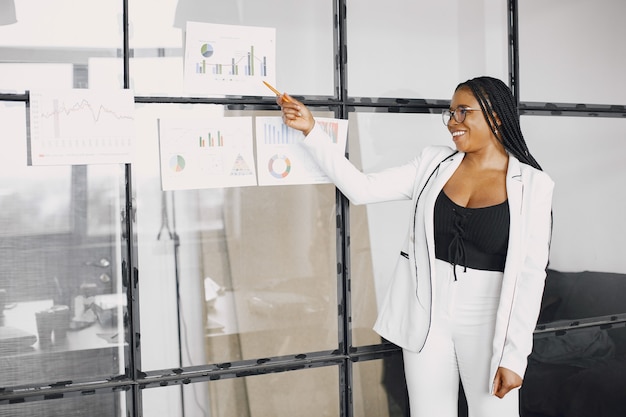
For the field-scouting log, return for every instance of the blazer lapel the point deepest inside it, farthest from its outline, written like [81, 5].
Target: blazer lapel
[446, 169]
[515, 195]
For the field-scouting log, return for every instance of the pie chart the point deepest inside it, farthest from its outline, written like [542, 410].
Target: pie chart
[206, 50]
[177, 163]
[279, 166]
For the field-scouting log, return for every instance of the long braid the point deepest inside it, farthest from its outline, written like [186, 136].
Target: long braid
[500, 110]
[497, 104]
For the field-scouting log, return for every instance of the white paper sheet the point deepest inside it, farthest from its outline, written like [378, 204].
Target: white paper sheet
[207, 153]
[280, 158]
[80, 126]
[228, 59]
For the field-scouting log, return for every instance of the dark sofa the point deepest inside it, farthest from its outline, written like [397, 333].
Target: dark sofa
[578, 364]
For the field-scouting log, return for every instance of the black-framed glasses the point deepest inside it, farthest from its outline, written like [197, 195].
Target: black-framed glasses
[459, 114]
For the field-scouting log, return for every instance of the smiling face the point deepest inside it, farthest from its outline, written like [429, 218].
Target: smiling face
[473, 134]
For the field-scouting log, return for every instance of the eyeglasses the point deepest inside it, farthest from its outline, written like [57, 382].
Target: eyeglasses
[459, 114]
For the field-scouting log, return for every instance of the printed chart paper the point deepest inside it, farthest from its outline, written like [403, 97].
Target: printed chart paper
[227, 59]
[280, 158]
[207, 153]
[80, 126]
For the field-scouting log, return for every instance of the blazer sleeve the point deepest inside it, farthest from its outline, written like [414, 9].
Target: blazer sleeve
[531, 279]
[390, 184]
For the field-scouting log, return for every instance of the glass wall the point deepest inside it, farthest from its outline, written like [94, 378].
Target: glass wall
[62, 302]
[122, 295]
[585, 62]
[422, 50]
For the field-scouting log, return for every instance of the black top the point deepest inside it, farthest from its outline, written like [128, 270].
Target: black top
[472, 237]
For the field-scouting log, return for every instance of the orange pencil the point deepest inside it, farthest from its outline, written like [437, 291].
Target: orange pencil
[278, 93]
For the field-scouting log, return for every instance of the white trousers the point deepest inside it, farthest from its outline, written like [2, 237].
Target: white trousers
[459, 345]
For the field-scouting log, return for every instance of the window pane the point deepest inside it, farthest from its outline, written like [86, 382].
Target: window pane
[377, 231]
[586, 66]
[379, 388]
[17, 77]
[53, 40]
[96, 405]
[61, 297]
[255, 266]
[28, 208]
[423, 49]
[305, 393]
[304, 41]
[575, 368]
[582, 157]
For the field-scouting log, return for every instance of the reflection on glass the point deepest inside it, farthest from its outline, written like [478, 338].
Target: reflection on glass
[51, 43]
[304, 41]
[97, 405]
[264, 277]
[402, 58]
[304, 393]
[104, 199]
[547, 35]
[254, 267]
[61, 301]
[18, 77]
[379, 388]
[280, 291]
[28, 208]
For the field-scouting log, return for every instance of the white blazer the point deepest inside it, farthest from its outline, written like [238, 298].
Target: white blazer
[404, 317]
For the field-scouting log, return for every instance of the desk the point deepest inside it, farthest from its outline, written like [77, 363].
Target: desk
[88, 353]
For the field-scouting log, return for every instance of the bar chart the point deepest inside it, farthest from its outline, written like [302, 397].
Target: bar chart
[206, 153]
[281, 158]
[279, 134]
[243, 64]
[211, 140]
[228, 59]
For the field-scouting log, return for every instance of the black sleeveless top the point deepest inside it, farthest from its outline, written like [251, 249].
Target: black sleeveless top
[471, 237]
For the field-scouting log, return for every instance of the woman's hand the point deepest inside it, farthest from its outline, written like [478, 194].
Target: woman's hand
[295, 114]
[505, 381]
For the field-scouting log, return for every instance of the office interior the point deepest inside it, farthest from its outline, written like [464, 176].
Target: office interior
[259, 300]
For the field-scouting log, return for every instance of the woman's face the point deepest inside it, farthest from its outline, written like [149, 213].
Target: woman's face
[473, 133]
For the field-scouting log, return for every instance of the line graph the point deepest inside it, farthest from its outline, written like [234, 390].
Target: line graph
[80, 126]
[62, 109]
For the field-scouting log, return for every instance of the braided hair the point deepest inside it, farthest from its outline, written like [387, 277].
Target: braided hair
[500, 110]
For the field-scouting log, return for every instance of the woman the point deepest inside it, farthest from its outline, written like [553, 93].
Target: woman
[465, 296]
